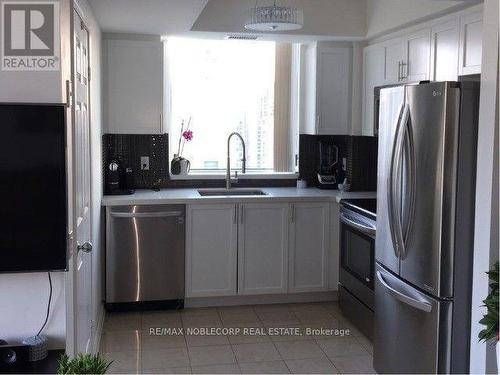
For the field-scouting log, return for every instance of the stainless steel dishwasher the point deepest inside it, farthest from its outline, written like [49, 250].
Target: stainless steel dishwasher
[145, 256]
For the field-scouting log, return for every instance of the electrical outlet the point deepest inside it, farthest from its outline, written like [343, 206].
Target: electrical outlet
[144, 163]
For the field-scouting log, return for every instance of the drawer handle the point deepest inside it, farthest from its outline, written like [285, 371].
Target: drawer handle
[146, 214]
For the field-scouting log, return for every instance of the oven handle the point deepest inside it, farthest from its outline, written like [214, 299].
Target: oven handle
[361, 227]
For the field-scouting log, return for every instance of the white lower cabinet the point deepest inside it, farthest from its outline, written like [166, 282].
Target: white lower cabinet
[258, 248]
[308, 247]
[263, 248]
[211, 250]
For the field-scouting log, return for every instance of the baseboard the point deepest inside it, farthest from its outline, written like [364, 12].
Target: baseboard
[261, 299]
[98, 329]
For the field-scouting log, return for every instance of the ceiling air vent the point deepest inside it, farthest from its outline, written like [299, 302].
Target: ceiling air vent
[242, 37]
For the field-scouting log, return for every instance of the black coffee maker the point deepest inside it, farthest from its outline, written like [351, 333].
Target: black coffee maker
[119, 179]
[328, 165]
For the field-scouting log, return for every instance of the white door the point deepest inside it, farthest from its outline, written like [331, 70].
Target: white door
[309, 244]
[263, 248]
[471, 40]
[211, 250]
[417, 56]
[444, 51]
[373, 63]
[81, 180]
[394, 56]
[334, 82]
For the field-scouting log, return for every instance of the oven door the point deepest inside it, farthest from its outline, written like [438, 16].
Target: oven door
[357, 257]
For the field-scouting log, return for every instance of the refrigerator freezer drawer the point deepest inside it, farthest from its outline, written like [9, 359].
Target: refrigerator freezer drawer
[412, 330]
[145, 253]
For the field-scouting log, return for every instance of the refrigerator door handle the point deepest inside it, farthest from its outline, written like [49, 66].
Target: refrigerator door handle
[394, 209]
[420, 305]
[409, 151]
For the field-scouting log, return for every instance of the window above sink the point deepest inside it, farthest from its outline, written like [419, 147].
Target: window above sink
[224, 86]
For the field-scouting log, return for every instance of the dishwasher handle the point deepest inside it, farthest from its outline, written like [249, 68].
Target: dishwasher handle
[144, 215]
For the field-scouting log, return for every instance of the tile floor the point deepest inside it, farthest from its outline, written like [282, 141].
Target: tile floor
[271, 339]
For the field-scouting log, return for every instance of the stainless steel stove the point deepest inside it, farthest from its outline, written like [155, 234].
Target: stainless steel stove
[357, 261]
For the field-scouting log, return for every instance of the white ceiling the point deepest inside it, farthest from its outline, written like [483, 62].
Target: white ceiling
[323, 19]
[160, 17]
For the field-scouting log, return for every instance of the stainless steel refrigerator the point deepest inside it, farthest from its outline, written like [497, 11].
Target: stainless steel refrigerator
[423, 250]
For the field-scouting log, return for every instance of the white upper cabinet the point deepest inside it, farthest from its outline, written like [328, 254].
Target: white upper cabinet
[416, 64]
[309, 245]
[406, 59]
[444, 51]
[439, 50]
[374, 63]
[471, 34]
[263, 248]
[326, 78]
[334, 90]
[211, 250]
[393, 60]
[133, 85]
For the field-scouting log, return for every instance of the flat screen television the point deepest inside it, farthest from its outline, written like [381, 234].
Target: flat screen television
[33, 208]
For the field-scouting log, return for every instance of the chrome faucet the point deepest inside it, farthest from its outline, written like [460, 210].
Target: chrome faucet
[243, 165]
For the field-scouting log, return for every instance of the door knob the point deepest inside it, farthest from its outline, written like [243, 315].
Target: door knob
[86, 247]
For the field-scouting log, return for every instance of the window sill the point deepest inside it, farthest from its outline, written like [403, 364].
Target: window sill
[241, 176]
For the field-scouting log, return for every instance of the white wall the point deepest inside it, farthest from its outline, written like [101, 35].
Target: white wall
[96, 159]
[24, 296]
[24, 304]
[486, 220]
[386, 15]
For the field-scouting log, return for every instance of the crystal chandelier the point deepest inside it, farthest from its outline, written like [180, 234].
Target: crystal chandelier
[275, 18]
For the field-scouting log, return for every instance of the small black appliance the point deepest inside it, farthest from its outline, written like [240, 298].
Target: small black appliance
[328, 165]
[119, 178]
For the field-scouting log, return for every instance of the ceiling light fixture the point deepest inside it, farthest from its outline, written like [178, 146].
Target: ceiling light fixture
[275, 18]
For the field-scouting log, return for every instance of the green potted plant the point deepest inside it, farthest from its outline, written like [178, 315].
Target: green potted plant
[83, 364]
[490, 319]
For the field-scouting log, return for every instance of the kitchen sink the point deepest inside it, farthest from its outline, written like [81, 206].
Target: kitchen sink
[229, 192]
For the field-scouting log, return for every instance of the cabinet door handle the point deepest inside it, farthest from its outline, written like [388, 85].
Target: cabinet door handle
[399, 71]
[235, 216]
[241, 214]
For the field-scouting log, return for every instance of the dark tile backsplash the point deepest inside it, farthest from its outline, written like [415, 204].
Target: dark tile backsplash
[362, 163]
[360, 154]
[128, 149]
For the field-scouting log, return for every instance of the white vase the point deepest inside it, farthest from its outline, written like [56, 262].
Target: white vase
[185, 166]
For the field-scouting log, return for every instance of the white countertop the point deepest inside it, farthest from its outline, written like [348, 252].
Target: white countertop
[184, 196]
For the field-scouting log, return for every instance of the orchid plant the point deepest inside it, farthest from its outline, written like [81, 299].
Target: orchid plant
[186, 135]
